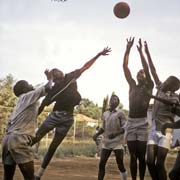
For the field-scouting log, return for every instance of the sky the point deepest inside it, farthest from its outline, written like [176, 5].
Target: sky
[40, 34]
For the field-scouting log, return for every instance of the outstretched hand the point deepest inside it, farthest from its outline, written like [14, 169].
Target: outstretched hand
[130, 43]
[146, 47]
[105, 51]
[139, 47]
[48, 74]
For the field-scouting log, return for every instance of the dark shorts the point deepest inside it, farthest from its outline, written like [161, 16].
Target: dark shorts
[61, 121]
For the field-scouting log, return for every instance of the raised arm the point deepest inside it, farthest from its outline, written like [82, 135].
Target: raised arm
[151, 65]
[87, 65]
[143, 61]
[127, 72]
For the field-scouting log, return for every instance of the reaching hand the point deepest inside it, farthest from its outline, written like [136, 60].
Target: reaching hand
[140, 45]
[146, 47]
[105, 51]
[130, 43]
[48, 74]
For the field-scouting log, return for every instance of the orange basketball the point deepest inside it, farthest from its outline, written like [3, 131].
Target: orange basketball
[121, 10]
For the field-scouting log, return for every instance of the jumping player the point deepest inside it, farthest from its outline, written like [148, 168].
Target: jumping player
[137, 124]
[66, 97]
[16, 148]
[175, 172]
[159, 144]
[112, 130]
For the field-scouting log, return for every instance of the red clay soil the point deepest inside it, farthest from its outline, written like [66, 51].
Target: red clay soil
[82, 168]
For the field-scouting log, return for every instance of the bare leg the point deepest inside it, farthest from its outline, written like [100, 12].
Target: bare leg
[133, 158]
[151, 158]
[105, 153]
[161, 157]
[27, 170]
[175, 172]
[141, 152]
[9, 171]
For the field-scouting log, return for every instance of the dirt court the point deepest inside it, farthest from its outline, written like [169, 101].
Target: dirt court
[82, 168]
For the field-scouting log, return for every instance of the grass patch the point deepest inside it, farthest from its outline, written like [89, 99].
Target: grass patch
[69, 149]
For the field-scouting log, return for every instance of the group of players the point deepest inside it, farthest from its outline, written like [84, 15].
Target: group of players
[62, 89]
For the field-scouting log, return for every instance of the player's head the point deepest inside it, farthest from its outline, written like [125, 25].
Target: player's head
[172, 84]
[141, 76]
[22, 87]
[57, 74]
[114, 101]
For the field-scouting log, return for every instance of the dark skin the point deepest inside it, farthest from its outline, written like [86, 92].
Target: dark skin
[156, 155]
[138, 105]
[174, 173]
[137, 110]
[27, 169]
[58, 75]
[113, 103]
[105, 153]
[169, 84]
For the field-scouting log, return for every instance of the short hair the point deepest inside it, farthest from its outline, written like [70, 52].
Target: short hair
[175, 82]
[19, 87]
[113, 95]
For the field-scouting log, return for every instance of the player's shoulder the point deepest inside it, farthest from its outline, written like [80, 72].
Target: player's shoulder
[120, 112]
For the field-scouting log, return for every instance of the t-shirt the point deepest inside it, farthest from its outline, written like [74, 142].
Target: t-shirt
[162, 113]
[23, 117]
[69, 97]
[112, 123]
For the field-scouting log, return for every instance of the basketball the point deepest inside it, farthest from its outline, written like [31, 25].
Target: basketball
[121, 10]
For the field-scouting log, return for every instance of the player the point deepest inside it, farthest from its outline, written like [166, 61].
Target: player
[137, 124]
[66, 97]
[175, 172]
[16, 149]
[112, 130]
[159, 144]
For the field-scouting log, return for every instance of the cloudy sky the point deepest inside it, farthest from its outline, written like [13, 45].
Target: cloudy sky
[40, 34]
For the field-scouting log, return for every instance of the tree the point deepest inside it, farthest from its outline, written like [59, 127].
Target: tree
[89, 109]
[7, 101]
[105, 104]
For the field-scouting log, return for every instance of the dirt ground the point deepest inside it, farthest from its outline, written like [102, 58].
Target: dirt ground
[82, 168]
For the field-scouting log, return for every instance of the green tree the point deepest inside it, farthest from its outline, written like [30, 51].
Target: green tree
[7, 101]
[105, 104]
[89, 109]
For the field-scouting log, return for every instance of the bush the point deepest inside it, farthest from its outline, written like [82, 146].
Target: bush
[70, 149]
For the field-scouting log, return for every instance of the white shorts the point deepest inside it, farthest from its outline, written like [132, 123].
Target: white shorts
[157, 138]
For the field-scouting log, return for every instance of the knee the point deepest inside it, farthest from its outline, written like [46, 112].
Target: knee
[150, 163]
[102, 165]
[141, 159]
[133, 158]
